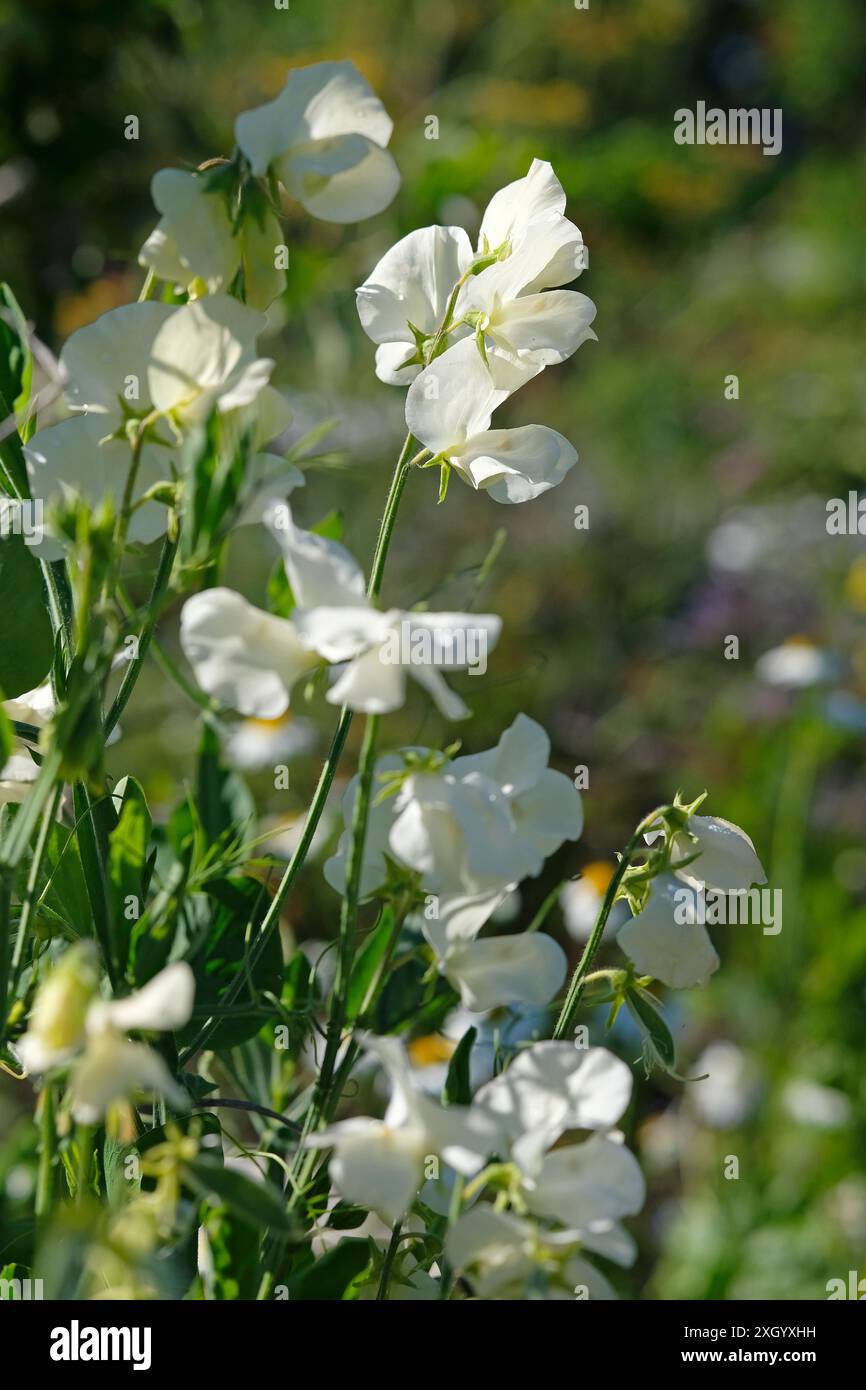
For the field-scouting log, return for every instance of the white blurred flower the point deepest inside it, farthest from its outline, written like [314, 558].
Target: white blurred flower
[254, 744]
[324, 138]
[69, 1024]
[380, 1163]
[449, 409]
[581, 900]
[195, 240]
[819, 1107]
[727, 1091]
[794, 665]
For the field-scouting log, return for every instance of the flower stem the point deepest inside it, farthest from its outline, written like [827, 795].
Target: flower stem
[388, 1265]
[160, 584]
[578, 979]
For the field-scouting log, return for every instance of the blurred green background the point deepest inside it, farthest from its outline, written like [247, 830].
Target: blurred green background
[707, 514]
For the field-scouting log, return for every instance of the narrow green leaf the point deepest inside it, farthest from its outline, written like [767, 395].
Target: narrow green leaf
[258, 1203]
[458, 1086]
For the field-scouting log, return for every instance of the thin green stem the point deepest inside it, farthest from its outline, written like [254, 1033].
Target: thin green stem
[30, 893]
[348, 917]
[157, 593]
[578, 979]
[388, 1263]
[84, 1137]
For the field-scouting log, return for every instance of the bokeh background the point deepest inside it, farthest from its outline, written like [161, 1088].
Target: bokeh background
[707, 514]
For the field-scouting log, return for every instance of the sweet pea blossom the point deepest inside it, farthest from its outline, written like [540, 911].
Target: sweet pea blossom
[324, 138]
[531, 331]
[250, 659]
[404, 299]
[499, 1253]
[70, 1024]
[380, 1163]
[726, 858]
[196, 246]
[513, 218]
[589, 1187]
[160, 364]
[449, 408]
[666, 940]
[470, 829]
[525, 245]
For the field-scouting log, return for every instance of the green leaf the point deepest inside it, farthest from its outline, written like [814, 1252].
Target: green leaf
[16, 360]
[646, 1011]
[367, 963]
[331, 1278]
[257, 1203]
[458, 1087]
[7, 737]
[331, 526]
[280, 598]
[26, 639]
[219, 955]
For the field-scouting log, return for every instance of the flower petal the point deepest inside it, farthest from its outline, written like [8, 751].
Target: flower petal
[513, 465]
[666, 941]
[452, 399]
[499, 970]
[244, 657]
[412, 283]
[163, 1004]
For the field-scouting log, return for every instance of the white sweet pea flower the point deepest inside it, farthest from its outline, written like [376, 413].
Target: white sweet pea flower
[244, 657]
[380, 1163]
[162, 1005]
[499, 1253]
[449, 408]
[406, 297]
[549, 1088]
[33, 706]
[58, 1018]
[195, 242]
[531, 208]
[666, 940]
[324, 139]
[726, 856]
[532, 330]
[156, 362]
[250, 659]
[588, 1185]
[70, 1024]
[472, 829]
[498, 970]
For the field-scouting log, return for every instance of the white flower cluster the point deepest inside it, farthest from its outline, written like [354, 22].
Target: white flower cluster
[471, 829]
[493, 320]
[562, 1200]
